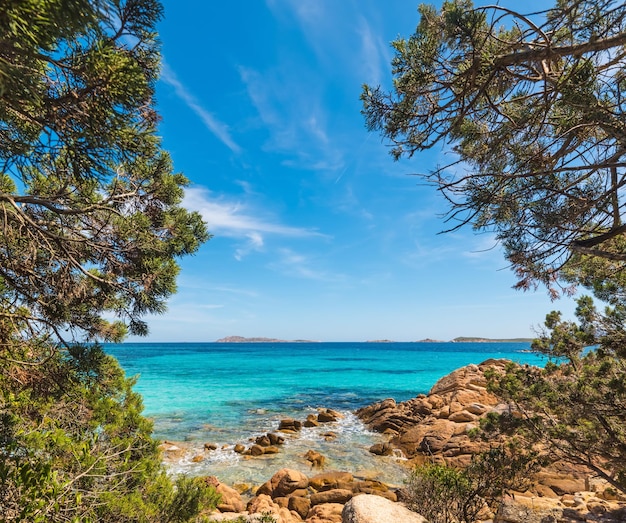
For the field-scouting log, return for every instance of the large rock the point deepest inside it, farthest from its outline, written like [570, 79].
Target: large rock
[275, 439]
[520, 509]
[330, 480]
[429, 437]
[256, 450]
[290, 426]
[462, 416]
[437, 426]
[366, 508]
[263, 504]
[337, 495]
[561, 483]
[231, 500]
[569, 508]
[299, 505]
[287, 481]
[374, 487]
[328, 415]
[315, 458]
[263, 441]
[326, 513]
[172, 451]
[283, 483]
[381, 449]
[388, 416]
[438, 423]
[311, 421]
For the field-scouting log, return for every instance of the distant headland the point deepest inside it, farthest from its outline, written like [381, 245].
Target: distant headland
[465, 339]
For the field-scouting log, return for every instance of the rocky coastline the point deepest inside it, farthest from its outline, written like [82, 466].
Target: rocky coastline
[435, 426]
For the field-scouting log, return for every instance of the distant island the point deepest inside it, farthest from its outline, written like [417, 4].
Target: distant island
[241, 339]
[461, 339]
[490, 340]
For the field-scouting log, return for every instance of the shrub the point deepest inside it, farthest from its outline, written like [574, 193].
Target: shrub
[443, 494]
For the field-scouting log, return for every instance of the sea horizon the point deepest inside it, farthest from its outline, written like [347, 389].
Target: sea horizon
[263, 339]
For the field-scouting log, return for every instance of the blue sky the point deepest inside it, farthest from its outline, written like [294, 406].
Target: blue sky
[317, 233]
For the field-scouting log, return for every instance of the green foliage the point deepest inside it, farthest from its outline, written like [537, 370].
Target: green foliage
[575, 407]
[443, 494]
[533, 109]
[532, 106]
[91, 215]
[74, 447]
[91, 227]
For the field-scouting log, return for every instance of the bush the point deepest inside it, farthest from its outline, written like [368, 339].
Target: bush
[443, 494]
[75, 447]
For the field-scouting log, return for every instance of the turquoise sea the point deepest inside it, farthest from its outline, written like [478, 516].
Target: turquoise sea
[227, 393]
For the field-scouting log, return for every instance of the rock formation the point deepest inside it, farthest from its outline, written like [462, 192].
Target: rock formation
[438, 423]
[290, 496]
[374, 509]
[437, 426]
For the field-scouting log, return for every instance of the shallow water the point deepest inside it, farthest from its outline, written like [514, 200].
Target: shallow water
[229, 393]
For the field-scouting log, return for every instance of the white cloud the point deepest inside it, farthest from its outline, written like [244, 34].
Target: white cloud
[255, 243]
[239, 220]
[235, 218]
[219, 129]
[297, 265]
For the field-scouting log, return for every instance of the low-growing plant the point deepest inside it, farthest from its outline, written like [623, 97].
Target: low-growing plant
[443, 494]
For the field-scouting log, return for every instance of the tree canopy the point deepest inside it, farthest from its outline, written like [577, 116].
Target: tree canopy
[91, 226]
[532, 108]
[89, 203]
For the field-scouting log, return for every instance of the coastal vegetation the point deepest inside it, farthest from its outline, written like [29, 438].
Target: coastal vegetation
[91, 227]
[444, 494]
[575, 410]
[530, 108]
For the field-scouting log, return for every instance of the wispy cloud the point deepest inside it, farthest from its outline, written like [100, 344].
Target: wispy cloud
[294, 102]
[193, 285]
[291, 109]
[236, 219]
[356, 46]
[374, 58]
[219, 129]
[254, 242]
[485, 247]
[297, 265]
